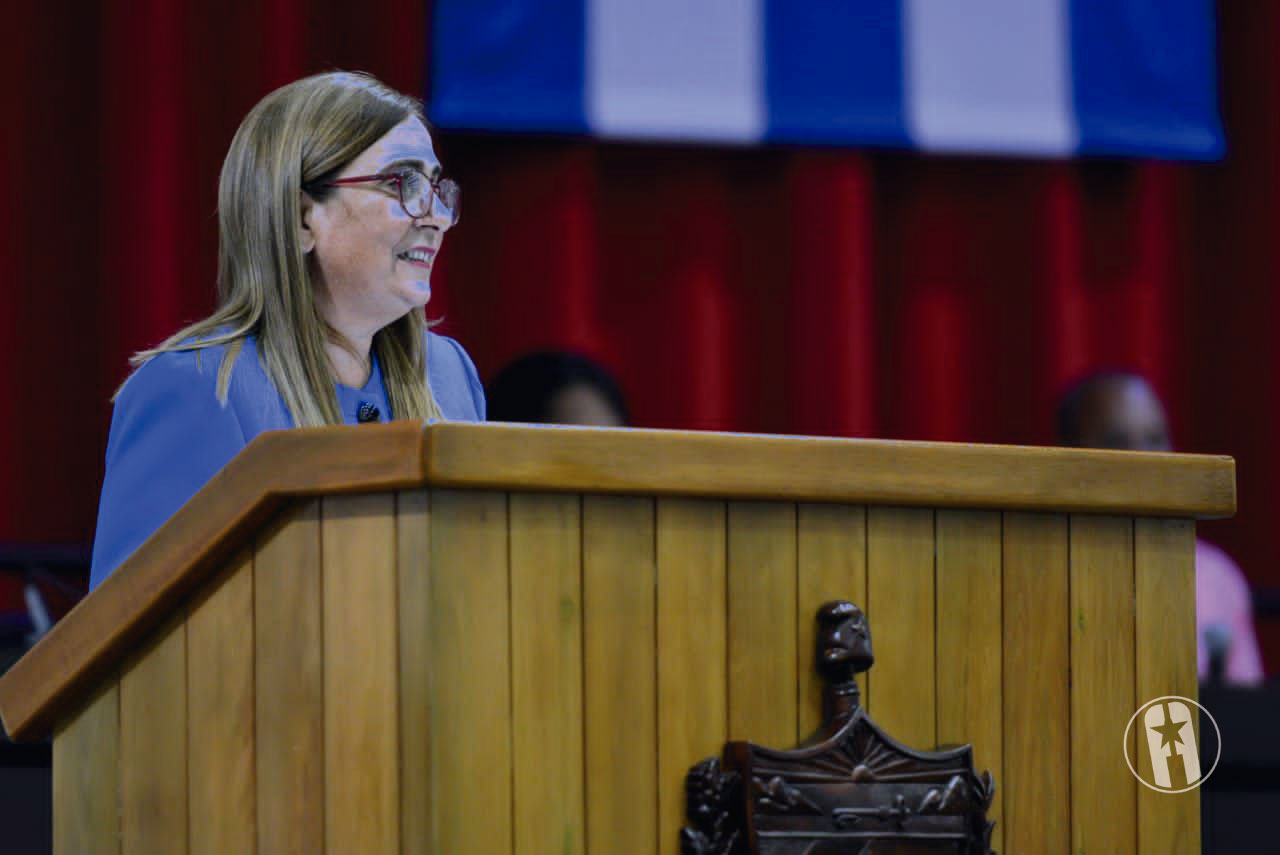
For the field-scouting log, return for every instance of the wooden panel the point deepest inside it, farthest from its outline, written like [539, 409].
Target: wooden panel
[201, 537]
[969, 627]
[692, 679]
[1165, 583]
[220, 736]
[831, 564]
[470, 670]
[900, 609]
[1103, 792]
[933, 474]
[762, 623]
[413, 546]
[289, 684]
[1035, 794]
[218, 521]
[361, 672]
[619, 638]
[86, 779]
[546, 672]
[153, 746]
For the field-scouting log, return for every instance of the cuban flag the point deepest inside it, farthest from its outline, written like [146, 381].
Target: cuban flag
[1019, 77]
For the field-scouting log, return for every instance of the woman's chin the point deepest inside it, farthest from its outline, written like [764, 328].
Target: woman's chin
[418, 292]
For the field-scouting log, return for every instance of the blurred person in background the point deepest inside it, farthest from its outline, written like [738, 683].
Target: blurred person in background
[555, 387]
[1121, 411]
[331, 210]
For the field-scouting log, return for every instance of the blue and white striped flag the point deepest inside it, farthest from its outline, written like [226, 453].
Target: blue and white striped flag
[1026, 77]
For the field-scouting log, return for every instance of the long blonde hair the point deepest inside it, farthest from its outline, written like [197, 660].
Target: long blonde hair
[299, 136]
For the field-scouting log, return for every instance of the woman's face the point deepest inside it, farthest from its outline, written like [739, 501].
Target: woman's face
[370, 261]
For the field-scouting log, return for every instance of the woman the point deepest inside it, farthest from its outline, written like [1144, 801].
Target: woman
[331, 211]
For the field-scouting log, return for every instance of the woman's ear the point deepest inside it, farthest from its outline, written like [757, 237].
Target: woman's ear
[306, 237]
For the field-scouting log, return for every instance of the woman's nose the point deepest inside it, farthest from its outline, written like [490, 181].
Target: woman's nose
[438, 215]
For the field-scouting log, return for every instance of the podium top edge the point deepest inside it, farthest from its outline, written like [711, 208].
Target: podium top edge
[806, 468]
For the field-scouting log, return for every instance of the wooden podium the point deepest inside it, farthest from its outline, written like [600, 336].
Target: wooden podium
[501, 639]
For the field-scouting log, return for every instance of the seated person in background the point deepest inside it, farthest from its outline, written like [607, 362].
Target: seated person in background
[331, 210]
[553, 387]
[1121, 411]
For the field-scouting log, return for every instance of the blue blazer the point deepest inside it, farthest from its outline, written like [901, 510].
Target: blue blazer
[170, 434]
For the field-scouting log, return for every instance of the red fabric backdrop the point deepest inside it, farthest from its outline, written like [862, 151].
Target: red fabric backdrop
[809, 291]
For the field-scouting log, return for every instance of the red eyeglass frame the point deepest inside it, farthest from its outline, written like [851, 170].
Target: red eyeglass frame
[398, 178]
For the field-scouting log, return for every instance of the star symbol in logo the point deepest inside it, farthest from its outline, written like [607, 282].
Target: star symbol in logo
[1170, 732]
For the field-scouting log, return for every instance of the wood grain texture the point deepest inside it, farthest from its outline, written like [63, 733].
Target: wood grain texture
[413, 568]
[220, 519]
[620, 692]
[153, 746]
[900, 611]
[692, 627]
[1035, 794]
[831, 564]
[858, 471]
[1103, 677]
[470, 670]
[361, 674]
[205, 533]
[289, 683]
[761, 583]
[969, 643]
[222, 799]
[1165, 584]
[86, 778]
[546, 672]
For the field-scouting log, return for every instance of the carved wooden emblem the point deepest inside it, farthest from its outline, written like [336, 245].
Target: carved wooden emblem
[848, 788]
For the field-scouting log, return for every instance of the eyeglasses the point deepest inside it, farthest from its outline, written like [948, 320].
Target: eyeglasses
[418, 193]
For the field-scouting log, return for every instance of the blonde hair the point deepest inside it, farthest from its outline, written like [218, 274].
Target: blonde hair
[299, 136]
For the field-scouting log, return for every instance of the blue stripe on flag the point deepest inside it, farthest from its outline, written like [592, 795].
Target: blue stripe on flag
[1144, 78]
[833, 72]
[508, 64]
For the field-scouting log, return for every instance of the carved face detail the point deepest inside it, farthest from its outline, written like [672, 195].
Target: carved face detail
[844, 641]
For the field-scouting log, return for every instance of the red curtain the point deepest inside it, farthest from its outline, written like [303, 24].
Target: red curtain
[766, 289]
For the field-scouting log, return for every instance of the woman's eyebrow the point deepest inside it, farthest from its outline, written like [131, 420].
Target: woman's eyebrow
[433, 173]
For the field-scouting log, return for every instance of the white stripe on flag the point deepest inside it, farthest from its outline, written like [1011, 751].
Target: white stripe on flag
[676, 69]
[989, 75]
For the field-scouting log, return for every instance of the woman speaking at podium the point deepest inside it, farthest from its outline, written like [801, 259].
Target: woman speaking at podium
[331, 210]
